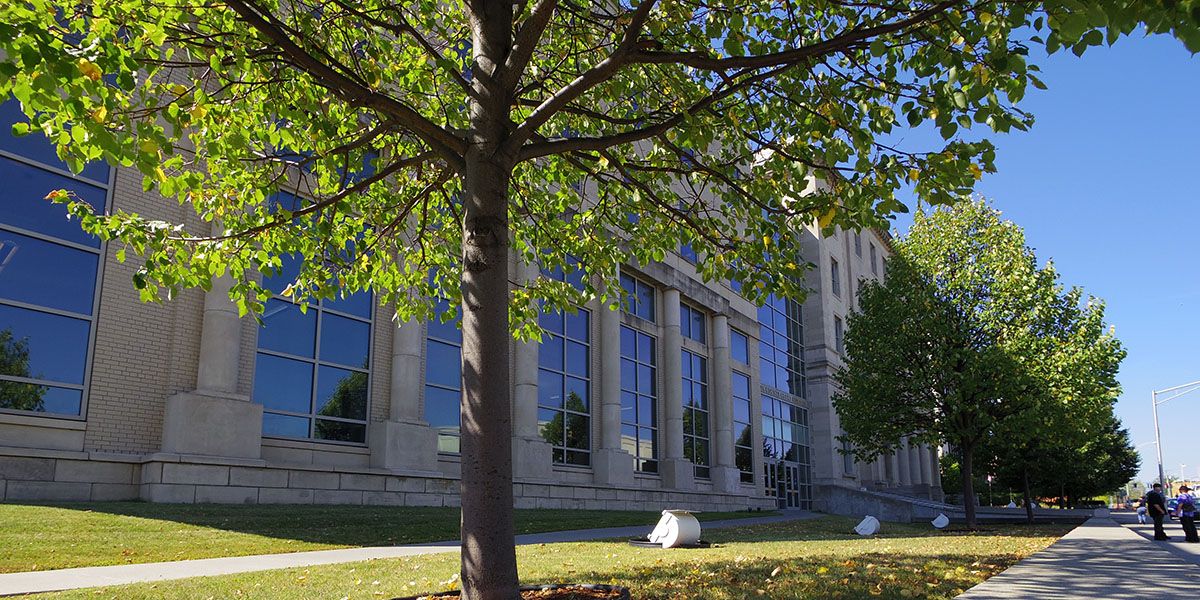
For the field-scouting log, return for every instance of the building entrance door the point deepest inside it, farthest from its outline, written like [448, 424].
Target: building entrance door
[783, 482]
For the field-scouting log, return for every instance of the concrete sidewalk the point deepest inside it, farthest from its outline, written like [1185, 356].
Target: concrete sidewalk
[1174, 530]
[1099, 559]
[68, 579]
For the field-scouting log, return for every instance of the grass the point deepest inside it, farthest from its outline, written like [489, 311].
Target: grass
[804, 559]
[35, 537]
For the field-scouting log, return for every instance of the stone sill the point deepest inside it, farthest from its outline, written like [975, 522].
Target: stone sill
[56, 422]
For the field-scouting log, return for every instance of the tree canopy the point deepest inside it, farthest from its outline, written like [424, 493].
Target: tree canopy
[422, 141]
[969, 342]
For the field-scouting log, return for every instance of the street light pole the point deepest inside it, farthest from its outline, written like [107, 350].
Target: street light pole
[1162, 478]
[1178, 390]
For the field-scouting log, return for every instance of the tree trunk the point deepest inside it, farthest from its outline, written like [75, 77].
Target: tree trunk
[968, 485]
[1027, 494]
[489, 561]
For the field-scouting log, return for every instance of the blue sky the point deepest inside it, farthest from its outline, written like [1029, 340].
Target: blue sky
[1107, 184]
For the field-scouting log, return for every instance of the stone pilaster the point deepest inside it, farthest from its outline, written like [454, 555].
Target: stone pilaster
[677, 472]
[610, 464]
[531, 454]
[405, 442]
[213, 419]
[724, 474]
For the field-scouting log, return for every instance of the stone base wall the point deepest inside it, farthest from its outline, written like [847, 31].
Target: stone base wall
[79, 476]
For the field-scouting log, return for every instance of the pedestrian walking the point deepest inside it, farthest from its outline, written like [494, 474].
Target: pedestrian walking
[1185, 509]
[1141, 513]
[1156, 505]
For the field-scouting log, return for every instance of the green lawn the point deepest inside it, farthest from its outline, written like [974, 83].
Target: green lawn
[37, 537]
[805, 559]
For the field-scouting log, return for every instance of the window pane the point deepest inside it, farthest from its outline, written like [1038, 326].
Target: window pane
[577, 359]
[577, 395]
[629, 439]
[550, 354]
[550, 423]
[448, 331]
[742, 434]
[740, 347]
[577, 325]
[25, 188]
[40, 398]
[341, 393]
[442, 407]
[287, 274]
[286, 329]
[344, 341]
[551, 321]
[550, 389]
[645, 301]
[443, 364]
[284, 426]
[645, 378]
[645, 349]
[628, 374]
[646, 415]
[741, 410]
[47, 274]
[741, 385]
[283, 384]
[628, 407]
[575, 457]
[448, 442]
[577, 432]
[35, 145]
[358, 304]
[628, 342]
[340, 431]
[39, 345]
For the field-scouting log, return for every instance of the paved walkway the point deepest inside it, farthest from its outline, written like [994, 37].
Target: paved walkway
[69, 579]
[1174, 531]
[1100, 559]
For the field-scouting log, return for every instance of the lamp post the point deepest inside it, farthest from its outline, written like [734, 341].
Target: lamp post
[1174, 392]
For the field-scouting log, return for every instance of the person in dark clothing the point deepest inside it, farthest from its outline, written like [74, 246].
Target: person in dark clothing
[1186, 510]
[1156, 504]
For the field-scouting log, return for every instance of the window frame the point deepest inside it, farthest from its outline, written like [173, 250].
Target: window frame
[690, 439]
[101, 253]
[835, 277]
[655, 427]
[564, 374]
[316, 364]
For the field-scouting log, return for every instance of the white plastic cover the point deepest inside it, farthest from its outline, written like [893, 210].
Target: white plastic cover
[868, 526]
[941, 521]
[676, 528]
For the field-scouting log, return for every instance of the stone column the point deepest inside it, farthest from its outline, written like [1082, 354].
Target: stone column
[724, 473]
[902, 459]
[532, 455]
[610, 464]
[677, 472]
[919, 469]
[213, 419]
[405, 442]
[923, 459]
[935, 466]
[893, 470]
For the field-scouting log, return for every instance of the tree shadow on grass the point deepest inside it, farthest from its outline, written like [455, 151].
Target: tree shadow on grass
[866, 575]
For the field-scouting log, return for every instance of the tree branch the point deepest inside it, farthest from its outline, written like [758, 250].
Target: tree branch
[446, 144]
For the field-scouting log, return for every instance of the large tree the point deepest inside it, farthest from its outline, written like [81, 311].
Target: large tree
[1075, 360]
[962, 343]
[429, 139]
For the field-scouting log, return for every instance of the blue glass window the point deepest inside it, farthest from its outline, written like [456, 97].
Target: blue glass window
[639, 297]
[639, 398]
[564, 384]
[781, 351]
[691, 323]
[36, 147]
[785, 441]
[743, 431]
[443, 379]
[739, 346]
[695, 411]
[312, 369]
[48, 271]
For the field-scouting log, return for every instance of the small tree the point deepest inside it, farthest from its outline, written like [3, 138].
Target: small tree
[432, 139]
[948, 347]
